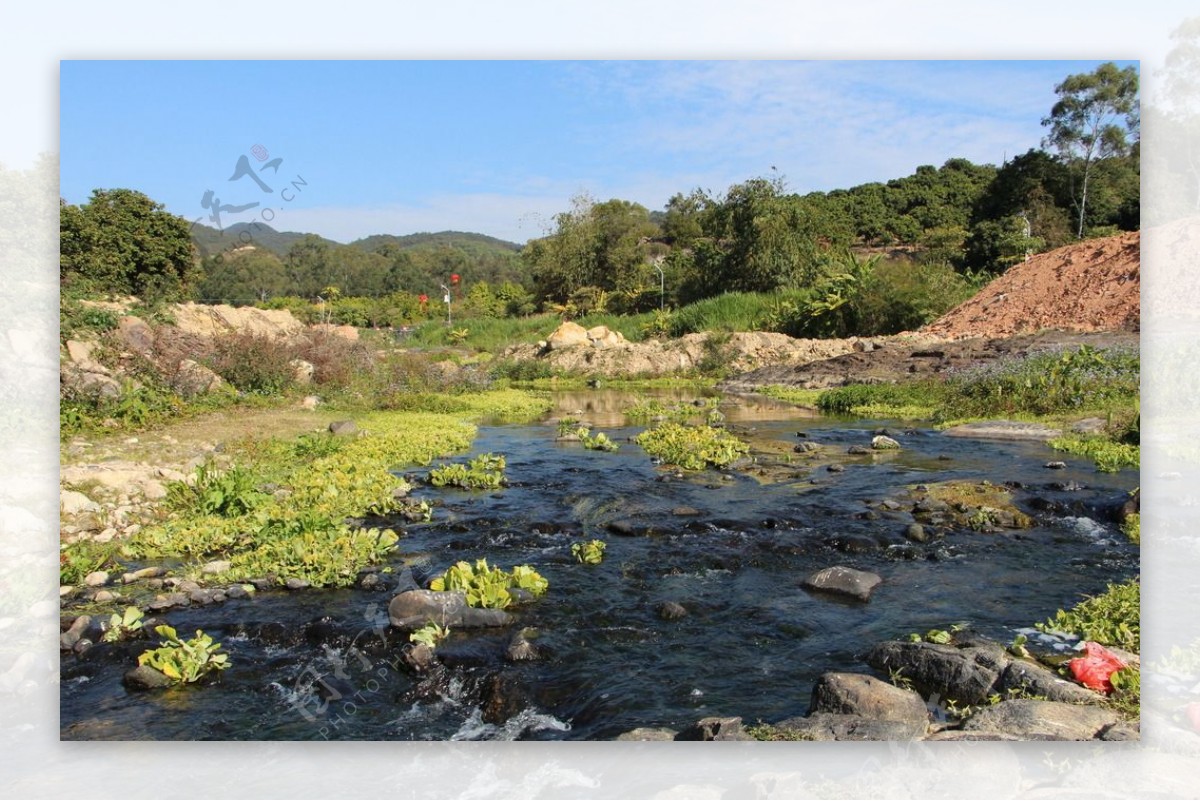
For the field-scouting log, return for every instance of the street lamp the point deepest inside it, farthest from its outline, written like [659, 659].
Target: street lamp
[446, 298]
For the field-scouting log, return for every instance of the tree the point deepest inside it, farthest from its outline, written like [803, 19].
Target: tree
[243, 276]
[123, 242]
[1094, 118]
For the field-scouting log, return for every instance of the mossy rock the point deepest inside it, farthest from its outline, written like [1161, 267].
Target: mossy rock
[975, 505]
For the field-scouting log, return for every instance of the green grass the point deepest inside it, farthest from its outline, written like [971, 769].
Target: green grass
[1109, 456]
[732, 312]
[1111, 618]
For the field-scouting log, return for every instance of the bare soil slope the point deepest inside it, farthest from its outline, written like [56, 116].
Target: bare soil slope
[1090, 286]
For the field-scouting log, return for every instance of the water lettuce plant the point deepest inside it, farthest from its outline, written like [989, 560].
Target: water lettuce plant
[185, 661]
[488, 586]
[692, 447]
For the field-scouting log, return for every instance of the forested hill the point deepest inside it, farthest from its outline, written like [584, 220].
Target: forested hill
[455, 239]
[253, 262]
[211, 241]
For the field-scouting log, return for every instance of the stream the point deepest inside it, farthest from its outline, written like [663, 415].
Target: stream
[731, 547]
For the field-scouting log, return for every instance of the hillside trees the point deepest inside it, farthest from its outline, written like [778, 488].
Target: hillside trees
[121, 241]
[1096, 117]
[249, 275]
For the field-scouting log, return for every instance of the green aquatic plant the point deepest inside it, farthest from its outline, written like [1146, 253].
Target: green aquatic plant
[185, 661]
[692, 447]
[487, 586]
[485, 471]
[122, 626]
[431, 634]
[589, 553]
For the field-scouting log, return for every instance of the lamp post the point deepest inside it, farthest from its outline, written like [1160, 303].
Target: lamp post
[446, 297]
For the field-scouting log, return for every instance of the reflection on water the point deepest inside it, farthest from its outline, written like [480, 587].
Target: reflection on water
[607, 407]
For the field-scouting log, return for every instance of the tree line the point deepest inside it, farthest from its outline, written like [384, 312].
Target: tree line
[617, 255]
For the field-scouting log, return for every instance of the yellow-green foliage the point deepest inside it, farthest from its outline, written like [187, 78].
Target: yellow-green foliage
[692, 447]
[1132, 528]
[486, 586]
[185, 661]
[1112, 618]
[796, 395]
[1109, 456]
[303, 531]
[589, 553]
[485, 471]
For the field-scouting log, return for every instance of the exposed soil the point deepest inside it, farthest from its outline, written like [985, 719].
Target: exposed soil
[1087, 293]
[1092, 286]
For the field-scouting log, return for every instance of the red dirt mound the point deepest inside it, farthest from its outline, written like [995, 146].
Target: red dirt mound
[1094, 285]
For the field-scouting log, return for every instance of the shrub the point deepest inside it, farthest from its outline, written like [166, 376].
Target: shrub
[337, 361]
[253, 363]
[225, 493]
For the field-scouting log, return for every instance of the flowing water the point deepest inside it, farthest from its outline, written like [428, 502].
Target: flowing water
[731, 547]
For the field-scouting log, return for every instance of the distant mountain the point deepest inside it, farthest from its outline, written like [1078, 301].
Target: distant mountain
[211, 241]
[455, 239]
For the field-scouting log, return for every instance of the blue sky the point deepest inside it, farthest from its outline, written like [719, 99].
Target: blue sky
[499, 147]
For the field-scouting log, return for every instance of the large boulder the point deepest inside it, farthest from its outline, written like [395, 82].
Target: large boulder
[1043, 719]
[602, 336]
[567, 335]
[834, 726]
[846, 581]
[136, 334]
[413, 609]
[192, 379]
[868, 697]
[973, 671]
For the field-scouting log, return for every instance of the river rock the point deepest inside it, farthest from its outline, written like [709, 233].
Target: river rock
[411, 610]
[144, 677]
[296, 584]
[154, 490]
[882, 442]
[868, 697]
[713, 729]
[858, 450]
[168, 600]
[964, 675]
[1004, 429]
[829, 726]
[916, 533]
[68, 638]
[71, 503]
[647, 734]
[670, 610]
[1028, 718]
[1033, 679]
[97, 579]
[841, 580]
[1056, 465]
[343, 428]
[567, 335]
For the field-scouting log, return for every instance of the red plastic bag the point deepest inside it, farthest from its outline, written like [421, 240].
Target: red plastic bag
[1095, 668]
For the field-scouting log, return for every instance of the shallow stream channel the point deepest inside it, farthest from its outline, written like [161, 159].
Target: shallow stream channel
[726, 551]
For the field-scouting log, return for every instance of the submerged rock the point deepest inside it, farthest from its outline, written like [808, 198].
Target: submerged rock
[847, 581]
[411, 610]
